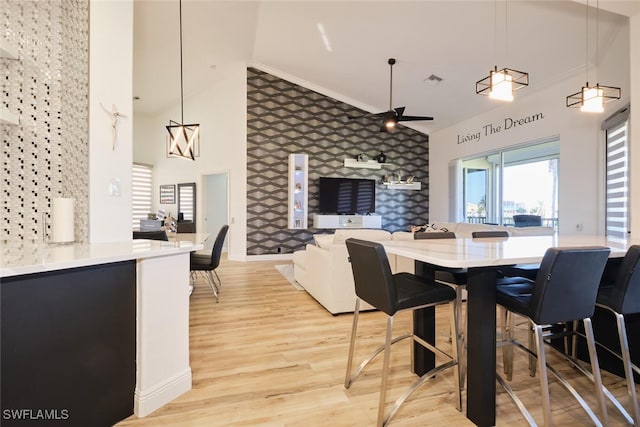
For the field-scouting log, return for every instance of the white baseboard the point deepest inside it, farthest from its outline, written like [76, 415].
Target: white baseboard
[269, 257]
[147, 401]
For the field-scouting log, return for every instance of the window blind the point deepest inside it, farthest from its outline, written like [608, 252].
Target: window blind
[142, 192]
[617, 180]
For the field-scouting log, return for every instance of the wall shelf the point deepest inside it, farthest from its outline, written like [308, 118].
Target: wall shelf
[298, 191]
[347, 221]
[369, 164]
[403, 185]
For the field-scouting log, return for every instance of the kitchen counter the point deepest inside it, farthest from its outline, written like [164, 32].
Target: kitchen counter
[27, 258]
[94, 333]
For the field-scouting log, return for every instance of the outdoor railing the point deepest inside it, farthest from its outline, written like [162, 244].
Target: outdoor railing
[546, 222]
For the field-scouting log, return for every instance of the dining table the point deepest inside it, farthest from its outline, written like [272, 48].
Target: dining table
[482, 259]
[198, 238]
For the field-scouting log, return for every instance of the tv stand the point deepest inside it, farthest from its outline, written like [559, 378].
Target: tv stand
[347, 221]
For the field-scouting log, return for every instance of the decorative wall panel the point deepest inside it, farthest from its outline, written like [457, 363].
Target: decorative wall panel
[284, 118]
[46, 154]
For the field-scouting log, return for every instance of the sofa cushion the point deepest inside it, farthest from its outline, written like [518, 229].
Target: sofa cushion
[531, 231]
[323, 241]
[360, 233]
[299, 258]
[402, 235]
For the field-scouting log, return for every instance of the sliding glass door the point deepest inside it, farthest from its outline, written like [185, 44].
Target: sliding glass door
[500, 185]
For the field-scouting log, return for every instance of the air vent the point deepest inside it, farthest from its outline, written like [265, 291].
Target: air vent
[433, 80]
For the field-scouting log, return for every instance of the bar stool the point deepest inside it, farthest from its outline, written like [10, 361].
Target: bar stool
[393, 293]
[623, 298]
[565, 290]
[207, 264]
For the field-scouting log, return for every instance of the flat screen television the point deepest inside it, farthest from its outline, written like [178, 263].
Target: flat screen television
[347, 196]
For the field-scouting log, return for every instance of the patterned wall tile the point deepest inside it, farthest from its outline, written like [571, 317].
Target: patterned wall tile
[284, 118]
[46, 155]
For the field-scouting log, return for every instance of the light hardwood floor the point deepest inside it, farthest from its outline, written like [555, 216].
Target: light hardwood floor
[270, 355]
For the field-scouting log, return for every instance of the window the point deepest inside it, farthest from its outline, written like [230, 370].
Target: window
[523, 180]
[142, 192]
[616, 130]
[187, 202]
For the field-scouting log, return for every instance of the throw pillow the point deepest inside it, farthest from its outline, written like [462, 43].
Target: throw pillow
[323, 241]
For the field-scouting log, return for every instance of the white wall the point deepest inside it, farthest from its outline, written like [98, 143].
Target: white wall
[221, 111]
[581, 145]
[110, 80]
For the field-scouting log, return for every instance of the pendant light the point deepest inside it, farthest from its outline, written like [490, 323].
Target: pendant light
[500, 84]
[591, 99]
[183, 140]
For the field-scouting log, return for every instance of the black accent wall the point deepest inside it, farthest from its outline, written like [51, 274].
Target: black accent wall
[284, 118]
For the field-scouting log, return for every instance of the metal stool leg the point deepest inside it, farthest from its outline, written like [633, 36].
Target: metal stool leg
[348, 380]
[595, 369]
[212, 284]
[542, 369]
[218, 277]
[628, 370]
[385, 372]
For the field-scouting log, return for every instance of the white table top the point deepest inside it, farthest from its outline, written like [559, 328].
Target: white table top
[188, 237]
[27, 258]
[465, 253]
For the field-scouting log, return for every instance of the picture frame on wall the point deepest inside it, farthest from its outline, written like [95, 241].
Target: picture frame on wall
[167, 194]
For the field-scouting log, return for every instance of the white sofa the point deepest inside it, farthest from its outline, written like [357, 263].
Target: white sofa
[323, 269]
[464, 229]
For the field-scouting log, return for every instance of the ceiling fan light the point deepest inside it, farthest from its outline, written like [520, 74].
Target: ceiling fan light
[501, 86]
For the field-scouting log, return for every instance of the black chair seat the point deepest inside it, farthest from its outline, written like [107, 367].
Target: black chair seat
[413, 291]
[515, 296]
[530, 271]
[454, 275]
[622, 295]
[151, 235]
[610, 297]
[200, 262]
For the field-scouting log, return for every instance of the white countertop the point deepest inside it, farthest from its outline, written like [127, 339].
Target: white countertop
[27, 258]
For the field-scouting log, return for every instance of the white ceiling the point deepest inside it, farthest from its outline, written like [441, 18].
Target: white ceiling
[459, 41]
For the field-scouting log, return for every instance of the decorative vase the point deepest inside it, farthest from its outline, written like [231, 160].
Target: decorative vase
[381, 158]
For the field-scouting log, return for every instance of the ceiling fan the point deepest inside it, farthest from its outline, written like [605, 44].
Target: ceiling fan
[391, 117]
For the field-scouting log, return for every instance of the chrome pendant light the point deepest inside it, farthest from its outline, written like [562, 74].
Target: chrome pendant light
[183, 140]
[591, 99]
[500, 84]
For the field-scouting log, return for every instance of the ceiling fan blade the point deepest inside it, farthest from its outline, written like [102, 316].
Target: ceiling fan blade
[384, 114]
[413, 118]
